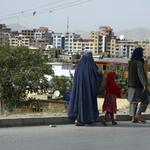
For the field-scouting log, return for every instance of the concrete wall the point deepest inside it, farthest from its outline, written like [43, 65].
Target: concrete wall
[121, 103]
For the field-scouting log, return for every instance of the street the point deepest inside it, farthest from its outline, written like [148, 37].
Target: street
[124, 136]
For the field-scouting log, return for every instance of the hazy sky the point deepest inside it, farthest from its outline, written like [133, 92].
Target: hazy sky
[83, 14]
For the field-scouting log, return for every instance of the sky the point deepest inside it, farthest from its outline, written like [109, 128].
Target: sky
[85, 15]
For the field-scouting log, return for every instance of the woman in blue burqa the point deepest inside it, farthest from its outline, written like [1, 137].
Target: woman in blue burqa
[86, 83]
[137, 82]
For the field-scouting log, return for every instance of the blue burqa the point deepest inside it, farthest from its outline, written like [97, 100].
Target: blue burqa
[86, 83]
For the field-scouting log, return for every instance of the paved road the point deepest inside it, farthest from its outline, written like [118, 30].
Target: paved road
[124, 136]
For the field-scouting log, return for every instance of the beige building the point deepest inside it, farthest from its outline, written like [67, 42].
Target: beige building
[82, 45]
[104, 40]
[145, 44]
[20, 40]
[28, 33]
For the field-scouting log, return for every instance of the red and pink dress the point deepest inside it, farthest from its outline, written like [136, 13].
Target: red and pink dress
[112, 90]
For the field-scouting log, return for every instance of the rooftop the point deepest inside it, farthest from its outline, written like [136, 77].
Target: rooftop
[114, 60]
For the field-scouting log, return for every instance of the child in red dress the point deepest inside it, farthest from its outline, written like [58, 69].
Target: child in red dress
[112, 90]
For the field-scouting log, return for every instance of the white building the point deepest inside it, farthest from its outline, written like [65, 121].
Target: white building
[62, 69]
[43, 34]
[124, 48]
[64, 40]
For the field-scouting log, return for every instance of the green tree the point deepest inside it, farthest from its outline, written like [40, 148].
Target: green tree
[101, 92]
[108, 55]
[22, 71]
[120, 79]
[148, 67]
[77, 56]
[61, 83]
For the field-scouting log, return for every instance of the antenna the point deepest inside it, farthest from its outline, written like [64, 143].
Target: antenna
[67, 25]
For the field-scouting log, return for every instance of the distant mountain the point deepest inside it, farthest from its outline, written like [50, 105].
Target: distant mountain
[83, 34]
[134, 34]
[16, 27]
[131, 34]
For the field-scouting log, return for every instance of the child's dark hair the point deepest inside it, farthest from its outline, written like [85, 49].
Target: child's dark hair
[114, 73]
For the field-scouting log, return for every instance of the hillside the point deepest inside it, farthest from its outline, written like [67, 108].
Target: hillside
[134, 34]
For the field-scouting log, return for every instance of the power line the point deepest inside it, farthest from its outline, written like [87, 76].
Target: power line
[32, 9]
[48, 10]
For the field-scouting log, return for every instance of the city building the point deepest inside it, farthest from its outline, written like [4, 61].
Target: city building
[64, 40]
[4, 34]
[82, 45]
[104, 40]
[145, 44]
[4, 39]
[4, 29]
[48, 52]
[28, 33]
[124, 48]
[43, 34]
[20, 40]
[39, 43]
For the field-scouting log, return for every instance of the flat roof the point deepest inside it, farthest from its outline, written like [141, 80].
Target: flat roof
[123, 60]
[113, 60]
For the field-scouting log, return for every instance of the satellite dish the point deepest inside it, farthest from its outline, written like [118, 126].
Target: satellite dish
[56, 93]
[121, 37]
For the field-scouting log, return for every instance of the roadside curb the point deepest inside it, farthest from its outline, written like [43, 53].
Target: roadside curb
[36, 121]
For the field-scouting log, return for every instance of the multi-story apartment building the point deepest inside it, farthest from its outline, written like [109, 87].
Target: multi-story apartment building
[124, 48]
[43, 34]
[103, 40]
[39, 43]
[28, 33]
[82, 45]
[28, 41]
[145, 44]
[64, 40]
[4, 29]
[20, 40]
[58, 40]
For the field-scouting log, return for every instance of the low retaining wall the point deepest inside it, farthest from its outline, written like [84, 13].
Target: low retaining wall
[121, 103]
